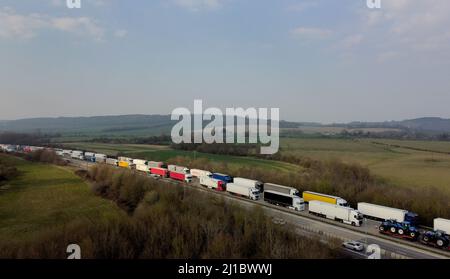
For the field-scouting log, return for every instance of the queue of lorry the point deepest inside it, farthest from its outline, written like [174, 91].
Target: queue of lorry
[395, 222]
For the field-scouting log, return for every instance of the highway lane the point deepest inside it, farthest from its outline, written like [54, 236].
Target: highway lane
[322, 227]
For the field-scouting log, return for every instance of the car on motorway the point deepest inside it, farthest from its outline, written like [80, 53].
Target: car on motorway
[353, 245]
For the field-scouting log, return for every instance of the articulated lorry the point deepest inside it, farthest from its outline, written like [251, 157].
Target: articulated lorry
[180, 176]
[384, 213]
[283, 196]
[336, 212]
[313, 196]
[249, 182]
[212, 183]
[159, 172]
[243, 191]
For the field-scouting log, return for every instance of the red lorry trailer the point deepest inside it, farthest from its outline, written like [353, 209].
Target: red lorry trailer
[159, 172]
[180, 176]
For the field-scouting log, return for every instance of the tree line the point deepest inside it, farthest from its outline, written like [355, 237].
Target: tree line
[26, 138]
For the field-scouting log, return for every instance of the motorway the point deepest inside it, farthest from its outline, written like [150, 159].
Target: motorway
[312, 226]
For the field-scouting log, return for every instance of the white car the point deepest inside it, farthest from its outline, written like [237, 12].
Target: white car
[353, 245]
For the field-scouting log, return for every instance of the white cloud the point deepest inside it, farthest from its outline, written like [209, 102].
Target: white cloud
[411, 24]
[311, 33]
[197, 5]
[78, 25]
[14, 25]
[400, 29]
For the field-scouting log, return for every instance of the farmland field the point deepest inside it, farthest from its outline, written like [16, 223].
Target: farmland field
[400, 165]
[113, 149]
[44, 198]
[336, 130]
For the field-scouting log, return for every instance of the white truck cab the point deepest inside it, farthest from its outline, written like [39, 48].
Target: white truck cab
[356, 218]
[254, 193]
[188, 178]
[298, 204]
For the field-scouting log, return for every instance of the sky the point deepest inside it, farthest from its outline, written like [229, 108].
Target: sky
[317, 60]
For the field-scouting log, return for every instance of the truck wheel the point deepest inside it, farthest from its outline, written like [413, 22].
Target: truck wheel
[392, 230]
[353, 224]
[426, 239]
[381, 229]
[412, 234]
[400, 231]
[440, 242]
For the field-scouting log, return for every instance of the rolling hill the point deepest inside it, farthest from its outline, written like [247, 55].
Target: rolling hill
[137, 125]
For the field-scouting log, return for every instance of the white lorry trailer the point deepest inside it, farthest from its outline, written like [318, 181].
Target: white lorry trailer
[384, 213]
[100, 158]
[441, 224]
[112, 162]
[335, 212]
[143, 168]
[77, 155]
[178, 169]
[281, 189]
[283, 196]
[139, 162]
[153, 164]
[67, 152]
[212, 183]
[249, 182]
[199, 173]
[242, 190]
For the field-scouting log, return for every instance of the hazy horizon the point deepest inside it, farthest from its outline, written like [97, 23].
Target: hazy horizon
[168, 114]
[318, 61]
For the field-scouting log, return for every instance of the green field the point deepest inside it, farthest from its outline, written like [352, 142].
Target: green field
[399, 165]
[44, 198]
